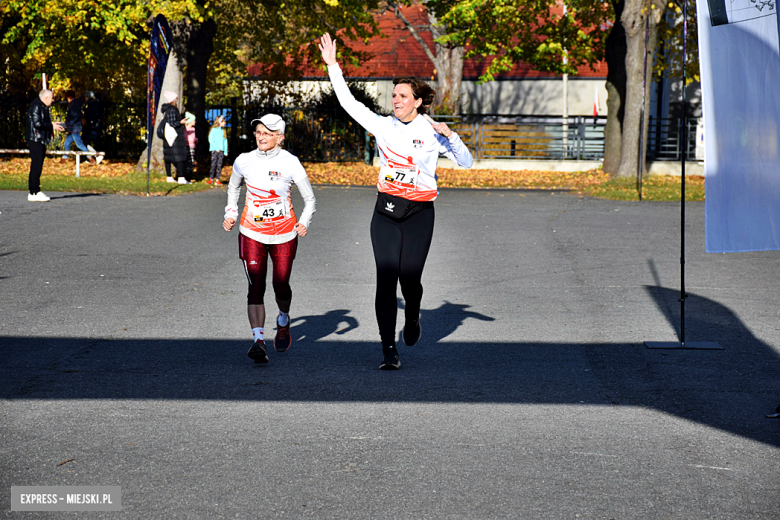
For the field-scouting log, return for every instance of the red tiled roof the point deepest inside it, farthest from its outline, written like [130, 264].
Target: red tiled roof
[397, 53]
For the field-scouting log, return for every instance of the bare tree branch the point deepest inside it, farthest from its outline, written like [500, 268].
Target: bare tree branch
[396, 8]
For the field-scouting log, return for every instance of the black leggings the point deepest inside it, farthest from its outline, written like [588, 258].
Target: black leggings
[181, 168]
[400, 251]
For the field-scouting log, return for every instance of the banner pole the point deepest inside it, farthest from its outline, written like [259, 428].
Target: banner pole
[149, 125]
[684, 151]
[148, 130]
[640, 156]
[699, 345]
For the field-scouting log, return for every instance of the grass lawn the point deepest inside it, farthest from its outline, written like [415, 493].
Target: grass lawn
[115, 177]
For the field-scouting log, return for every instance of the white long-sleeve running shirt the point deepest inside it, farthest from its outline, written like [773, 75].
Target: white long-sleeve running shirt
[408, 153]
[268, 215]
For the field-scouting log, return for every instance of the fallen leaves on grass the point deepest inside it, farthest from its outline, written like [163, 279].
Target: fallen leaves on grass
[455, 178]
[116, 177]
[360, 174]
[353, 173]
[654, 187]
[54, 166]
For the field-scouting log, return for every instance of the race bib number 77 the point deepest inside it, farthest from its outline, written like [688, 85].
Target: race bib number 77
[405, 175]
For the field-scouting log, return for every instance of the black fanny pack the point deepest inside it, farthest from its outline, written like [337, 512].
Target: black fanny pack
[399, 208]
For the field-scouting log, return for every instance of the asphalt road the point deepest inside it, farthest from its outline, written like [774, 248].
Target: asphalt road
[123, 336]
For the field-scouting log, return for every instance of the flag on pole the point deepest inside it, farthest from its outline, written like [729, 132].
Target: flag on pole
[739, 54]
[595, 101]
[159, 49]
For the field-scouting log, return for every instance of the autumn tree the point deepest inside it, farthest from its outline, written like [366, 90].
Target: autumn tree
[101, 45]
[669, 57]
[446, 54]
[88, 44]
[640, 20]
[537, 32]
[615, 55]
[240, 32]
[513, 31]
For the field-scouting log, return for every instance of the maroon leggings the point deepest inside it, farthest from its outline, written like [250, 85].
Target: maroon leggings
[255, 256]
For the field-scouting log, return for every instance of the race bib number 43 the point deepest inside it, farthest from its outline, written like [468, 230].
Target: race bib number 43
[268, 210]
[405, 175]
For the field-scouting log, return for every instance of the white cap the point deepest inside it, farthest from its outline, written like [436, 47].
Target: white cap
[270, 121]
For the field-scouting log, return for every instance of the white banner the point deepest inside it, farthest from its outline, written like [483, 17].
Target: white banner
[740, 76]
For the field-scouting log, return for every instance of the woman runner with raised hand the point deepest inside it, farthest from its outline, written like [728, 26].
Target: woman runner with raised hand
[268, 225]
[402, 226]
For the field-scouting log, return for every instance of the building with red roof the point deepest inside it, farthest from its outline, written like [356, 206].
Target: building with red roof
[520, 90]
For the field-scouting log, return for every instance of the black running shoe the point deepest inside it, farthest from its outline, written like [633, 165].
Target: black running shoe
[412, 331]
[391, 361]
[283, 339]
[257, 352]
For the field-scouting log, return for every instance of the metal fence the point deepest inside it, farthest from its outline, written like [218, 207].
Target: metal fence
[532, 137]
[314, 135]
[331, 135]
[663, 140]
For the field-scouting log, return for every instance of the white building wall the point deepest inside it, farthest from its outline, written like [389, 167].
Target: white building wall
[533, 97]
[527, 96]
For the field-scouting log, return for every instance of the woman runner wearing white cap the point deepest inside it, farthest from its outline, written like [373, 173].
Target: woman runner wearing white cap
[269, 225]
[402, 225]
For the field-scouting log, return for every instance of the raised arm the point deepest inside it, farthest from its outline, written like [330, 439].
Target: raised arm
[359, 112]
[328, 49]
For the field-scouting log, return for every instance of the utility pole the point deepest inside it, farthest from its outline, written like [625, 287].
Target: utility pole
[565, 98]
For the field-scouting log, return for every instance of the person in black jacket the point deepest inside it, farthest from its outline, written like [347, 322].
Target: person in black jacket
[74, 125]
[38, 132]
[177, 152]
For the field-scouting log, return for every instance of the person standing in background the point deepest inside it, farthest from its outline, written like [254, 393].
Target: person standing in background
[218, 147]
[74, 124]
[38, 130]
[175, 150]
[192, 141]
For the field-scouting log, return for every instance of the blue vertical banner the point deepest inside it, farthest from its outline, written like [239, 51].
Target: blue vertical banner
[159, 49]
[739, 55]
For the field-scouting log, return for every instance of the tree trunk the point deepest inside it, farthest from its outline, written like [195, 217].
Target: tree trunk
[633, 19]
[200, 46]
[449, 71]
[172, 81]
[616, 91]
[651, 44]
[447, 60]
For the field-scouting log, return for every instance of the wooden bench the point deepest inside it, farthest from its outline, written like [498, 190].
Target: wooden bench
[78, 155]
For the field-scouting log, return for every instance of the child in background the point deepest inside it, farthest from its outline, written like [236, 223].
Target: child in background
[189, 130]
[218, 147]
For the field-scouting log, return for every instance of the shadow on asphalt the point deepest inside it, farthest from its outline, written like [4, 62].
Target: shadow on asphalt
[727, 389]
[440, 323]
[76, 195]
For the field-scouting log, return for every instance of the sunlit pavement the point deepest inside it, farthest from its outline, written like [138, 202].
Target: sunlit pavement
[124, 334]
